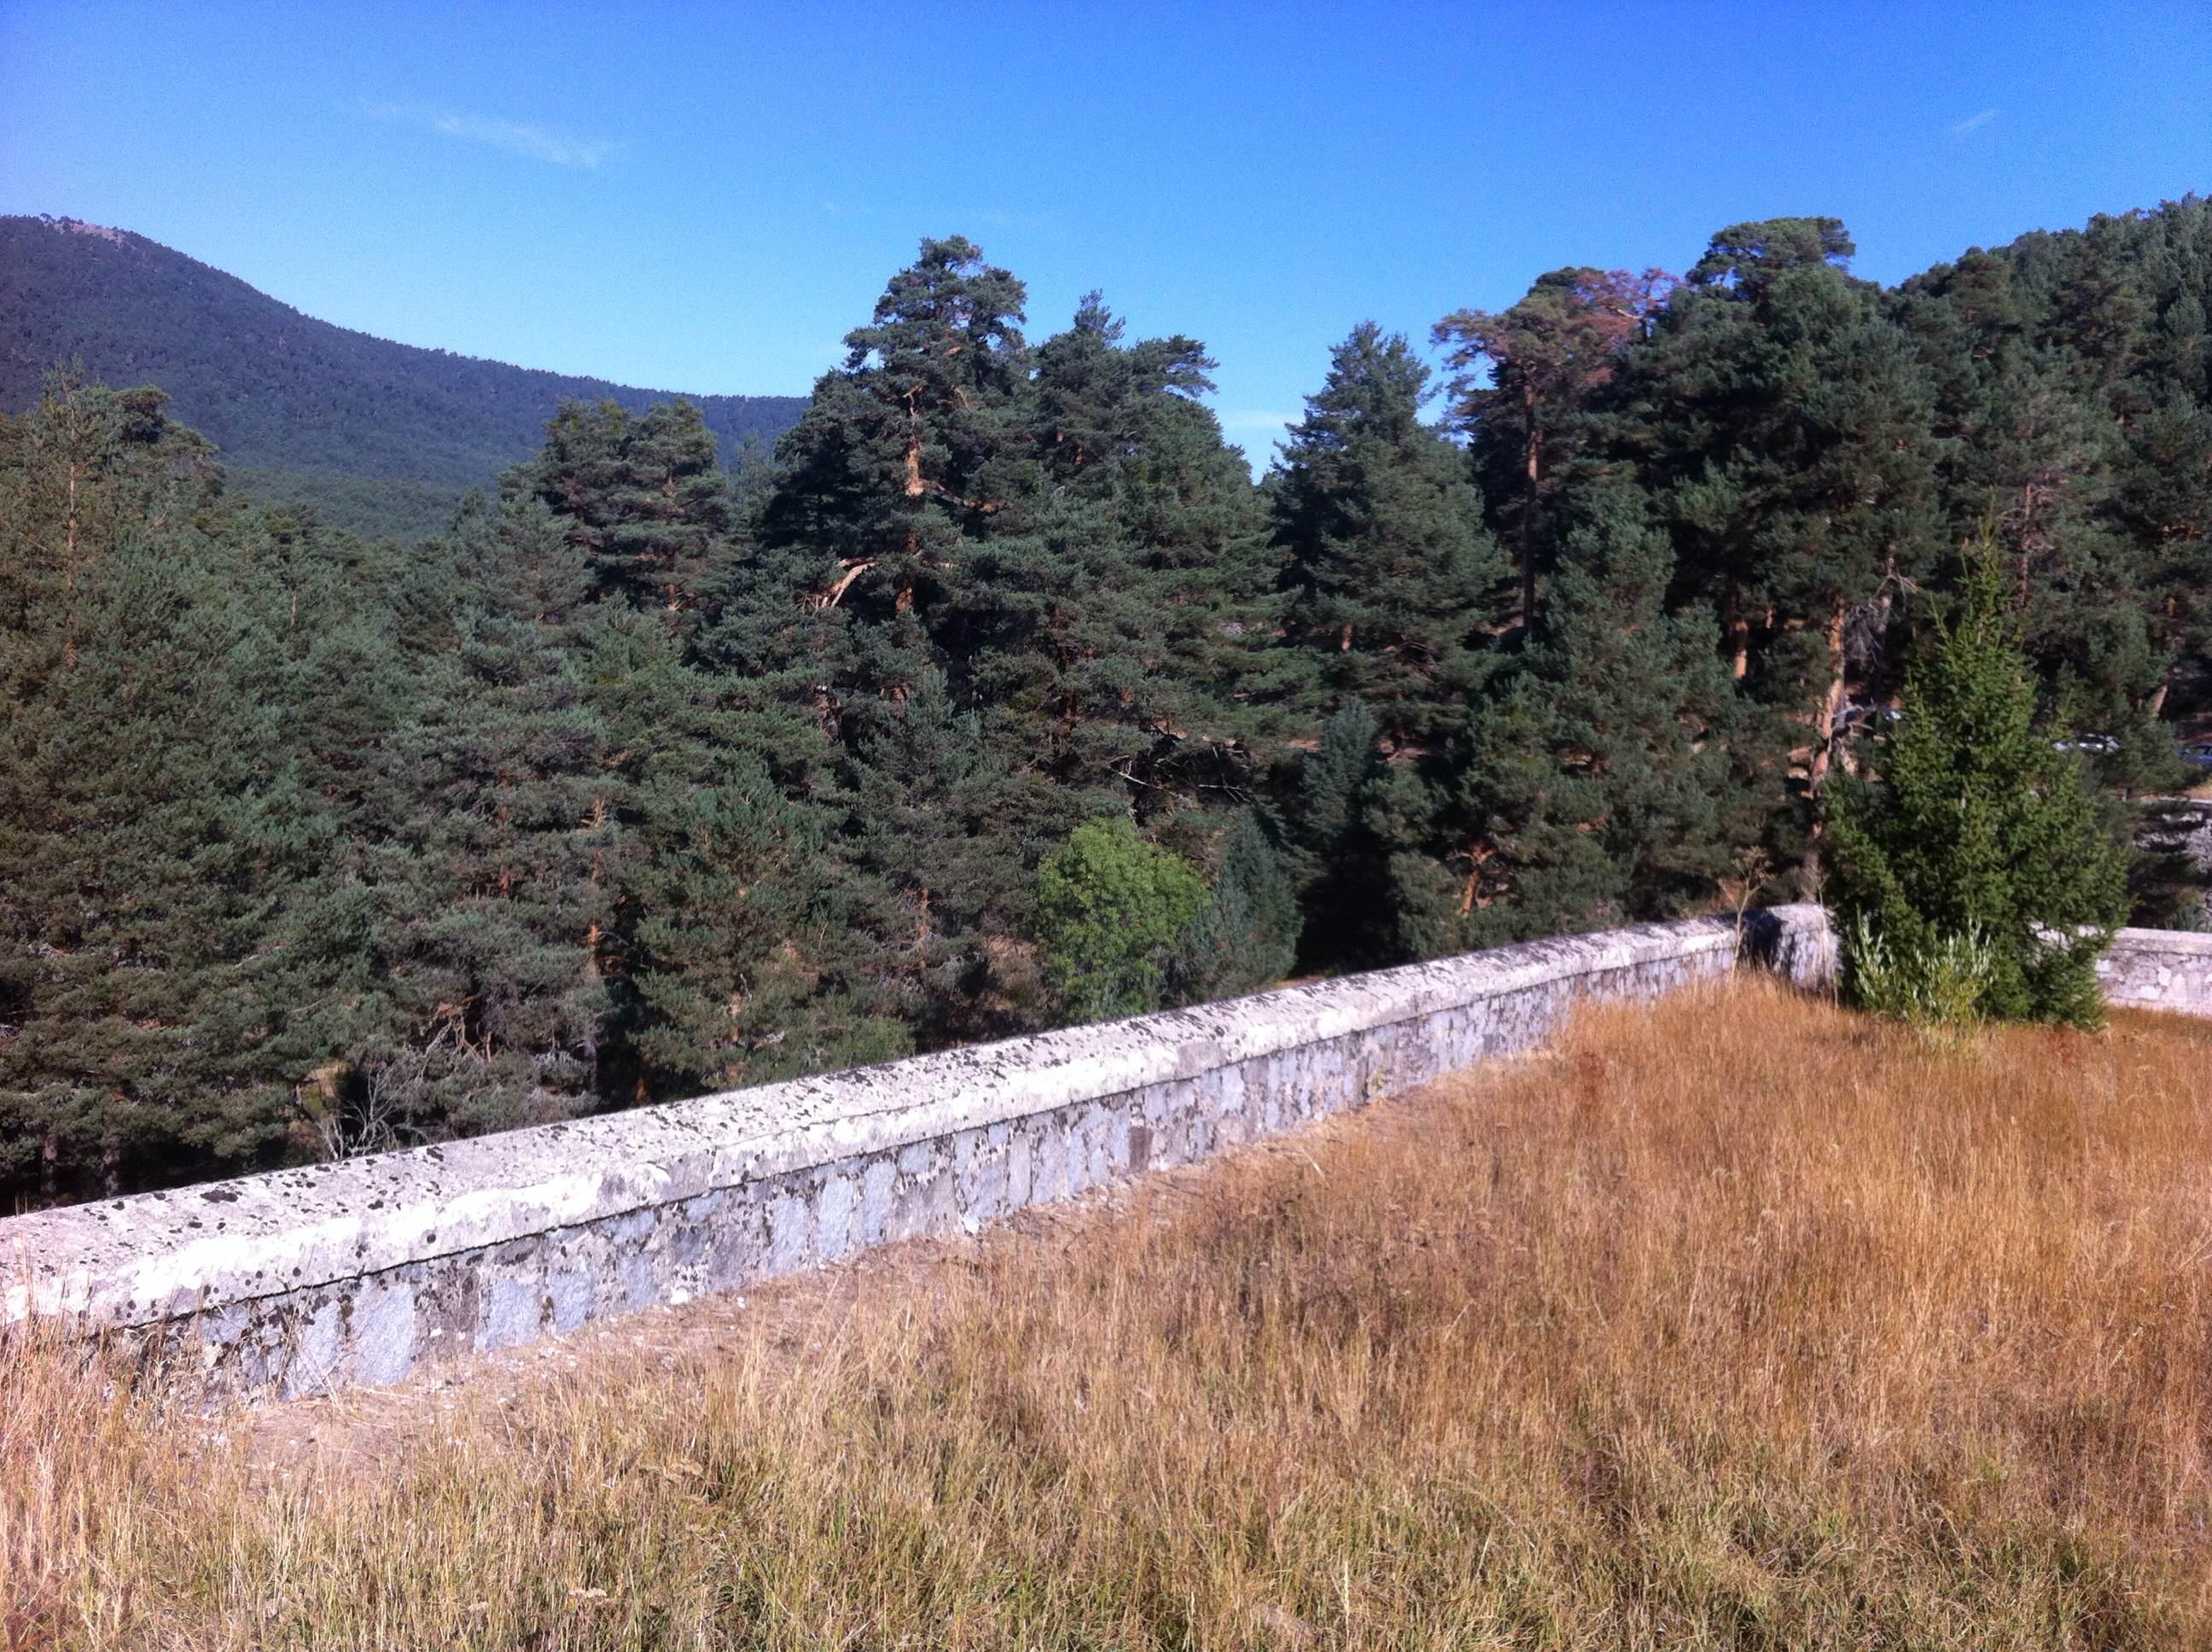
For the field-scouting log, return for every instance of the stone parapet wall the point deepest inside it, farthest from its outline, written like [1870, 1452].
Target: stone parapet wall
[360, 1271]
[2167, 970]
[2158, 970]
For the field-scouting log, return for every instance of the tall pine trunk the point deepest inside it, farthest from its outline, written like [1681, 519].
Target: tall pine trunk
[1527, 535]
[1832, 702]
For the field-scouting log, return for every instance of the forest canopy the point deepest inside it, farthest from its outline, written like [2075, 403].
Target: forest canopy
[1000, 693]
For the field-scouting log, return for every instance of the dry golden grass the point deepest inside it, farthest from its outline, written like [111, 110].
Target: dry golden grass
[1740, 1322]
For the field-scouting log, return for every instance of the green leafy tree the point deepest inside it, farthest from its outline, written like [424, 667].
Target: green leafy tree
[1979, 831]
[1110, 909]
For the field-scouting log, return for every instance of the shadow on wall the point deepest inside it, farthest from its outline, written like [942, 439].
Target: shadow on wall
[1793, 942]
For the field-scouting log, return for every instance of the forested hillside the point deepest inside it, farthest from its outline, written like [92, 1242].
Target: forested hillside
[1006, 696]
[378, 436]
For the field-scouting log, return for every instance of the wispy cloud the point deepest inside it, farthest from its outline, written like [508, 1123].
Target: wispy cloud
[1000, 218]
[1973, 123]
[546, 143]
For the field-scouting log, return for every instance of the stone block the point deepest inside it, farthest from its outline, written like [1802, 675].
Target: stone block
[790, 1232]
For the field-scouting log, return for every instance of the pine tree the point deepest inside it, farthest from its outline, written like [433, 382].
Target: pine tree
[2163, 504]
[943, 837]
[643, 497]
[156, 835]
[347, 688]
[905, 454]
[1784, 424]
[497, 897]
[731, 954]
[1977, 831]
[727, 952]
[1043, 599]
[1597, 780]
[1524, 381]
[1246, 937]
[875, 587]
[2033, 437]
[1342, 861]
[745, 964]
[1388, 560]
[1149, 579]
[2102, 309]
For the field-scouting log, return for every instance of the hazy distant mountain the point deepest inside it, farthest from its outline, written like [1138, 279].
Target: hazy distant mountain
[380, 435]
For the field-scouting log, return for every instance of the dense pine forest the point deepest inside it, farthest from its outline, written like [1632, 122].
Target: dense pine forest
[1001, 695]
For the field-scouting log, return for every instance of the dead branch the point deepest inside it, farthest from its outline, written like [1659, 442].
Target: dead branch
[852, 571]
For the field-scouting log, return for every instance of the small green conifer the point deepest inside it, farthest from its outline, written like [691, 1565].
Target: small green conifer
[1980, 826]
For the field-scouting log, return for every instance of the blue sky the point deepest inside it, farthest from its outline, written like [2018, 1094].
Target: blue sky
[706, 198]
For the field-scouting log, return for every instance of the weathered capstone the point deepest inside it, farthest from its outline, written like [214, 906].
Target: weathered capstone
[361, 1271]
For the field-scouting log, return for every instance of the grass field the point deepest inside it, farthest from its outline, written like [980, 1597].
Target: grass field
[1738, 1322]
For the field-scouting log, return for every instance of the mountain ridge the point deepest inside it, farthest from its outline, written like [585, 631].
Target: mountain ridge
[295, 403]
